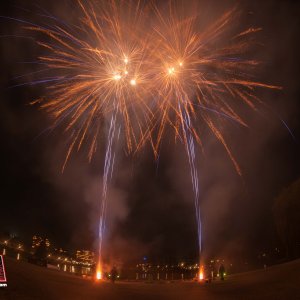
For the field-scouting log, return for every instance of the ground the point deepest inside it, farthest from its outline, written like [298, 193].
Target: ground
[27, 281]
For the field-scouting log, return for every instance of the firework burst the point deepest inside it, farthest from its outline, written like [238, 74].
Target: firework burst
[97, 66]
[143, 69]
[112, 59]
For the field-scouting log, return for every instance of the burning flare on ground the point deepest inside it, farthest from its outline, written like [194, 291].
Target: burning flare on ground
[99, 272]
[201, 274]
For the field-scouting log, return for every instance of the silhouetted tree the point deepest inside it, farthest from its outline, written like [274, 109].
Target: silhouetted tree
[286, 211]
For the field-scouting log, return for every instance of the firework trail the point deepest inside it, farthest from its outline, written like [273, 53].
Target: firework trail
[190, 149]
[107, 175]
[146, 69]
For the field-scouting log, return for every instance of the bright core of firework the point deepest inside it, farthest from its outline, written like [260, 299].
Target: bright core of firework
[171, 71]
[133, 82]
[117, 77]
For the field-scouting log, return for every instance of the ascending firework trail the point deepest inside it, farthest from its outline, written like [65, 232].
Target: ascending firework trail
[112, 140]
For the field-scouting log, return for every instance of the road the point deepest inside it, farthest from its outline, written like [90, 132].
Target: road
[26, 281]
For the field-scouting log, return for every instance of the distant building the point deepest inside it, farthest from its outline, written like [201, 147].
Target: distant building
[37, 241]
[85, 256]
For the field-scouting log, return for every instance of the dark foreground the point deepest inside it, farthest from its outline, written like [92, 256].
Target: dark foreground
[26, 281]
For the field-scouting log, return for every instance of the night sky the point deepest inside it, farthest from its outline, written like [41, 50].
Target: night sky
[151, 210]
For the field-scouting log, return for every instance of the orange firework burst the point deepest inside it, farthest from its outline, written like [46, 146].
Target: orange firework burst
[103, 72]
[201, 73]
[154, 66]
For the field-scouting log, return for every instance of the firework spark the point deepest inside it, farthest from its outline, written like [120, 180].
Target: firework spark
[143, 69]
